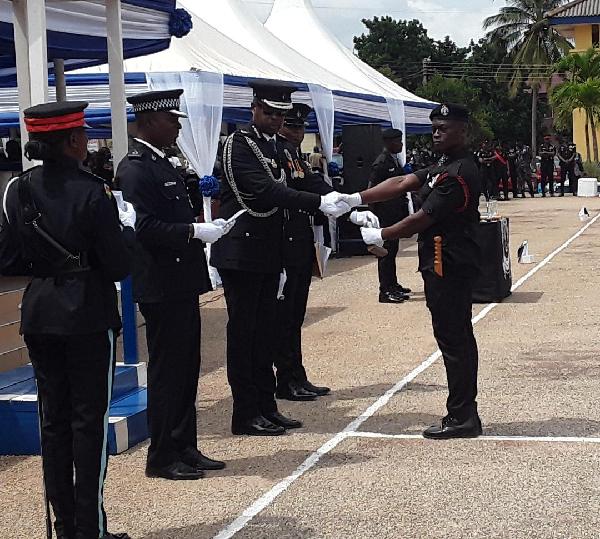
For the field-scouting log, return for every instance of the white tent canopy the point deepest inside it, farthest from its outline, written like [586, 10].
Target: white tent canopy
[313, 41]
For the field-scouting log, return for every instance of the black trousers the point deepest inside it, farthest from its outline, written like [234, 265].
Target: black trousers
[514, 178]
[570, 171]
[547, 177]
[251, 341]
[74, 376]
[173, 336]
[386, 266]
[503, 177]
[489, 181]
[291, 311]
[450, 303]
[525, 178]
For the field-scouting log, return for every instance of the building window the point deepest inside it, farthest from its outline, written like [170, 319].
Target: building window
[595, 35]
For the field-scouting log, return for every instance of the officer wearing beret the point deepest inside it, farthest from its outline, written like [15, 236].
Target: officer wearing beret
[250, 257]
[60, 226]
[169, 273]
[387, 166]
[298, 260]
[448, 257]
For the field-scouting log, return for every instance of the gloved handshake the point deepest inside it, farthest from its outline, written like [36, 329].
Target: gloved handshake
[337, 204]
[211, 232]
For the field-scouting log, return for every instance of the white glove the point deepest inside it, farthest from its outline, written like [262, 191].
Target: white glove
[208, 232]
[352, 200]
[225, 224]
[127, 214]
[372, 236]
[331, 204]
[364, 218]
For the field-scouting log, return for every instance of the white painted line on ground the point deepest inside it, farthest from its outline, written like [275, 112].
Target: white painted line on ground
[483, 438]
[269, 497]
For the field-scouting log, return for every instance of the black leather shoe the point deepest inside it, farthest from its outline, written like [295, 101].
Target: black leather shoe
[194, 458]
[258, 426]
[401, 289]
[282, 421]
[116, 536]
[391, 297]
[178, 471]
[453, 428]
[293, 391]
[317, 390]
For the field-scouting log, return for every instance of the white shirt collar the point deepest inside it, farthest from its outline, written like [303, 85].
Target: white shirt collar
[155, 150]
[269, 138]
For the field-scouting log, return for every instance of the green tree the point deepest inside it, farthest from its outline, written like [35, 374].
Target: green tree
[532, 43]
[581, 90]
[397, 49]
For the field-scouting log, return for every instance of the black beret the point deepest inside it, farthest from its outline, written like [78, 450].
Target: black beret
[450, 111]
[162, 100]
[391, 133]
[274, 93]
[297, 116]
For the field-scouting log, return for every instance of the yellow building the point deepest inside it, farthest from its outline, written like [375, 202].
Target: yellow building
[579, 21]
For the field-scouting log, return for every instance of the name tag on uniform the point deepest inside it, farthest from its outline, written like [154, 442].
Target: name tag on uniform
[170, 184]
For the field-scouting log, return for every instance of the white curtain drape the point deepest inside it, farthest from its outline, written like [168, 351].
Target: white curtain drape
[398, 118]
[322, 101]
[202, 101]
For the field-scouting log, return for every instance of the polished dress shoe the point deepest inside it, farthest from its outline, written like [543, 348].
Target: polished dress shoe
[194, 458]
[317, 390]
[401, 289]
[285, 422]
[454, 428]
[391, 297]
[258, 426]
[293, 391]
[177, 471]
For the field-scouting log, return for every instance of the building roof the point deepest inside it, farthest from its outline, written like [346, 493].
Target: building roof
[576, 8]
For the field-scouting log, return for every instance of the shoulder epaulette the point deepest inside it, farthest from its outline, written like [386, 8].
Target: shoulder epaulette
[134, 153]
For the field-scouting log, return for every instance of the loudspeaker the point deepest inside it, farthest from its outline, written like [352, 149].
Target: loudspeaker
[362, 144]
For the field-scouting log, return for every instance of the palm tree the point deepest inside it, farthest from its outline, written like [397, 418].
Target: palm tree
[581, 90]
[533, 45]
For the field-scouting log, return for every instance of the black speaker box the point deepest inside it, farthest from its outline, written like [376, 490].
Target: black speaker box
[349, 238]
[362, 144]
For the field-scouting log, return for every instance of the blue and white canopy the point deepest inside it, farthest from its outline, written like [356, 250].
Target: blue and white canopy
[77, 31]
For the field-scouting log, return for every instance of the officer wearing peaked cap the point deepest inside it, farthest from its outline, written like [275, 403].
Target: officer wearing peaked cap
[250, 257]
[60, 226]
[298, 260]
[448, 257]
[169, 273]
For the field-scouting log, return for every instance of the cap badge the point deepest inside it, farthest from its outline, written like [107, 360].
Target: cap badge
[444, 111]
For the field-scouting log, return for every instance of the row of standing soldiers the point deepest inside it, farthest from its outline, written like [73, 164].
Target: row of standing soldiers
[498, 164]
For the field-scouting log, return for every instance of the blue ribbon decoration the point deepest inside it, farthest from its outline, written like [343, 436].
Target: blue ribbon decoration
[180, 23]
[210, 187]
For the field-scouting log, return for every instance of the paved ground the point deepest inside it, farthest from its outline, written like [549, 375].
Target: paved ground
[534, 474]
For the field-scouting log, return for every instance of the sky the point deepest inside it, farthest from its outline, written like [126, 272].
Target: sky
[460, 19]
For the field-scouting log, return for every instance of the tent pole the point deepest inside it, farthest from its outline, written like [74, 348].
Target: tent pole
[60, 80]
[114, 31]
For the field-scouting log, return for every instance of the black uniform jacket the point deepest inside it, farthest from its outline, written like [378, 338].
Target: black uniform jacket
[79, 213]
[450, 195]
[298, 237]
[547, 148]
[567, 152]
[391, 211]
[256, 242]
[167, 264]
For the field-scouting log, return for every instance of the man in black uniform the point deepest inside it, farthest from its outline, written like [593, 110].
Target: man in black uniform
[448, 258]
[489, 179]
[60, 226]
[525, 171]
[512, 157]
[387, 166]
[501, 166]
[547, 153]
[298, 261]
[249, 258]
[169, 273]
[566, 156]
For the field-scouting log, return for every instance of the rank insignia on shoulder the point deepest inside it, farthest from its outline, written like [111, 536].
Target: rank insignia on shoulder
[153, 157]
[134, 154]
[391, 169]
[170, 184]
[433, 181]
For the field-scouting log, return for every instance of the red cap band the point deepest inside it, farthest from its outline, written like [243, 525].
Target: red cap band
[55, 123]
